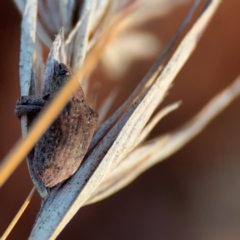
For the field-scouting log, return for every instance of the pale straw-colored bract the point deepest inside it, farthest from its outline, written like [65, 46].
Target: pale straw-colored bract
[118, 152]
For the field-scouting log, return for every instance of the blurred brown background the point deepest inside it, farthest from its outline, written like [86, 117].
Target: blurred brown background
[193, 194]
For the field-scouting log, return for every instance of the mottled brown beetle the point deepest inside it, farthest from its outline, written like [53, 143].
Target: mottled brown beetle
[61, 149]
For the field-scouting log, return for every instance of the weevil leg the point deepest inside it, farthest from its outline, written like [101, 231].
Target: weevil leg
[29, 105]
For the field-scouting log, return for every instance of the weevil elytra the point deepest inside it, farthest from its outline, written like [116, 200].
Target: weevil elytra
[59, 152]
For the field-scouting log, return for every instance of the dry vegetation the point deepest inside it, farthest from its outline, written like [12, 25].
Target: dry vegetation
[103, 32]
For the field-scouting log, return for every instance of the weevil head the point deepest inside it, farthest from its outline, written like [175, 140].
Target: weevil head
[62, 74]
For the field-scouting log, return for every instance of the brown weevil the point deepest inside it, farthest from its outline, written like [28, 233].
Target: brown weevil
[60, 151]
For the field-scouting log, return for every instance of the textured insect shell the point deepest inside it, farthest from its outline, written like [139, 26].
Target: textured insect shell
[63, 146]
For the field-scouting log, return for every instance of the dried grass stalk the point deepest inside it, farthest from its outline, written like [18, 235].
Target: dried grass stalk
[162, 147]
[18, 215]
[64, 202]
[115, 156]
